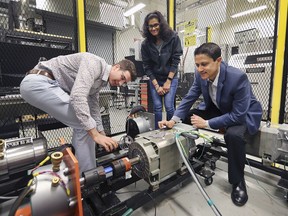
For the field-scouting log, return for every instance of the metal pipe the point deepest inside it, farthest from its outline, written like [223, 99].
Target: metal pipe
[82, 181]
[135, 160]
[23, 156]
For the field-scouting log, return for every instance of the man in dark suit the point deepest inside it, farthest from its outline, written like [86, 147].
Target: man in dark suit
[228, 103]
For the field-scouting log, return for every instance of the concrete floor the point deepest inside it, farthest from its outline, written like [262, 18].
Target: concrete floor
[265, 198]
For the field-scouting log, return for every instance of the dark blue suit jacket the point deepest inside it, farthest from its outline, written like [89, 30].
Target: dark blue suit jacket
[234, 98]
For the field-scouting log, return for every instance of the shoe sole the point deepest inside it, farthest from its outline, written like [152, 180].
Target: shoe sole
[239, 204]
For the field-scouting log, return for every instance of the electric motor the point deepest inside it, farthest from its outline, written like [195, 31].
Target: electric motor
[158, 153]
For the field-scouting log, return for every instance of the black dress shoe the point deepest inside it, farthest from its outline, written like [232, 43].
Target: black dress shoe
[239, 193]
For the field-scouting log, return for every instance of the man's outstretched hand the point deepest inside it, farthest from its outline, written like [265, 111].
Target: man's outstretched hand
[168, 124]
[107, 143]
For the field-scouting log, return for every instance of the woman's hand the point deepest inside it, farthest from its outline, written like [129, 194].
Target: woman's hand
[161, 91]
[166, 86]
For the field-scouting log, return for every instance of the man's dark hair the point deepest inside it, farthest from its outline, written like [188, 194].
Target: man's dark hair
[165, 31]
[126, 64]
[210, 49]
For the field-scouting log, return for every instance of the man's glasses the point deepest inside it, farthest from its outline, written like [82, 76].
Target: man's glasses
[156, 25]
[124, 79]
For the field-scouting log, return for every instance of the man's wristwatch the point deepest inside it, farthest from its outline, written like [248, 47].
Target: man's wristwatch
[169, 78]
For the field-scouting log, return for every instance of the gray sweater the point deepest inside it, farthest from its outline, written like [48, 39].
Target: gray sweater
[82, 75]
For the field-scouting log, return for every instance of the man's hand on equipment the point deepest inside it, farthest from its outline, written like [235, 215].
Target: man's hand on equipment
[168, 124]
[198, 122]
[106, 142]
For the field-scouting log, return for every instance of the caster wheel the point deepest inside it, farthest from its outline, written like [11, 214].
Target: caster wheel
[208, 181]
[213, 165]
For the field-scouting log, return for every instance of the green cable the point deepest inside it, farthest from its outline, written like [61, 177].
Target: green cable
[128, 212]
[210, 202]
[193, 174]
[182, 147]
[202, 135]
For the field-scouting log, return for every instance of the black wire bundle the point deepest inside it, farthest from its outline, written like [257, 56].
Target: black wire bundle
[19, 200]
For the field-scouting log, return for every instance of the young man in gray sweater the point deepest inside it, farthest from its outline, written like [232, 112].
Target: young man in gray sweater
[67, 88]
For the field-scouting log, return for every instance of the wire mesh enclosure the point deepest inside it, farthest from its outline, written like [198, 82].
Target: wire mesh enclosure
[245, 31]
[35, 30]
[284, 106]
[114, 36]
[38, 30]
[31, 31]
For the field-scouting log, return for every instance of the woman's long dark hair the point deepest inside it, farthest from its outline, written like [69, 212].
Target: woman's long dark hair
[165, 30]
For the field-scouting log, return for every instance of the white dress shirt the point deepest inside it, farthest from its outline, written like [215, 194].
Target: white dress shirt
[213, 92]
[213, 89]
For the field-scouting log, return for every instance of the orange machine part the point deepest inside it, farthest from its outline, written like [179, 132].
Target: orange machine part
[72, 164]
[127, 163]
[24, 211]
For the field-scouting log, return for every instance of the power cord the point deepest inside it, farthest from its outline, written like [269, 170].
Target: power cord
[7, 198]
[19, 200]
[130, 210]
[274, 198]
[193, 174]
[153, 203]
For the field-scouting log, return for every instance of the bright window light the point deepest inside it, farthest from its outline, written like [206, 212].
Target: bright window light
[134, 9]
[132, 20]
[40, 4]
[249, 11]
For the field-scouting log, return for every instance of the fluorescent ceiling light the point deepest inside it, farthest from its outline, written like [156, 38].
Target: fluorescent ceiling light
[134, 9]
[201, 35]
[132, 20]
[249, 11]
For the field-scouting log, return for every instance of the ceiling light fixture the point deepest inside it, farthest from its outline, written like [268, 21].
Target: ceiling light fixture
[251, 1]
[134, 9]
[263, 7]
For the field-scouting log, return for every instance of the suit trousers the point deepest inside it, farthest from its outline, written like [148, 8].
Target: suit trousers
[235, 138]
[45, 94]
